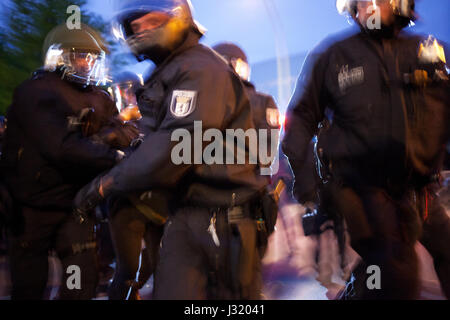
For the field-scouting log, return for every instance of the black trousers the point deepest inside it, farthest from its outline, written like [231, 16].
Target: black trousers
[383, 231]
[436, 239]
[128, 228]
[193, 267]
[35, 233]
[435, 236]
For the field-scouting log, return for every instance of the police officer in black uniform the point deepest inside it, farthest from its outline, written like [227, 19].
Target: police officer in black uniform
[265, 111]
[47, 157]
[387, 93]
[134, 218]
[265, 116]
[209, 247]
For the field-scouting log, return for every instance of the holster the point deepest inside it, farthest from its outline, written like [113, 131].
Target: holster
[265, 214]
[243, 256]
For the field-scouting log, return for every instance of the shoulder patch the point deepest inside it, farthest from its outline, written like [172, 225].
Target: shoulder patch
[350, 77]
[273, 117]
[183, 103]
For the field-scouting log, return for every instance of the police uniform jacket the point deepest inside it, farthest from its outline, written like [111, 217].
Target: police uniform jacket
[192, 85]
[46, 159]
[387, 123]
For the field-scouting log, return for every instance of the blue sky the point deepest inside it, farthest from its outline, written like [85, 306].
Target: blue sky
[300, 24]
[303, 22]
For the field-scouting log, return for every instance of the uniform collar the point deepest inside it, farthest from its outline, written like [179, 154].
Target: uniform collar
[192, 40]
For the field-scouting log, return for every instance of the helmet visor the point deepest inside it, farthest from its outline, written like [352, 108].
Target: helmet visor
[345, 6]
[403, 8]
[241, 67]
[87, 68]
[136, 9]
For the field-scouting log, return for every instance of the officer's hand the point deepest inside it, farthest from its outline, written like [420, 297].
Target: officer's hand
[120, 155]
[87, 199]
[119, 135]
[309, 205]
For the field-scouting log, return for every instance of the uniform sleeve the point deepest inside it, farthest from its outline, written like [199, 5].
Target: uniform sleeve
[270, 103]
[430, 130]
[104, 112]
[46, 124]
[197, 95]
[306, 110]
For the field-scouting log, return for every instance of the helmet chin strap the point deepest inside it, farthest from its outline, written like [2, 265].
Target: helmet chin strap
[72, 79]
[153, 52]
[150, 49]
[157, 54]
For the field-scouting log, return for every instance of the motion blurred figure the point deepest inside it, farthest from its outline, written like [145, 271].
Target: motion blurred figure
[47, 157]
[209, 248]
[134, 218]
[302, 253]
[385, 92]
[265, 112]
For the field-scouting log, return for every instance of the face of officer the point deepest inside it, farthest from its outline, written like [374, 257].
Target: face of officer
[386, 12]
[84, 67]
[83, 63]
[153, 29]
[149, 22]
[154, 35]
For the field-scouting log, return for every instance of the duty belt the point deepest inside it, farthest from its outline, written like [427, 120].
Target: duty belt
[240, 212]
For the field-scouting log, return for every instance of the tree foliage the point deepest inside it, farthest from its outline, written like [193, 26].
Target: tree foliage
[25, 26]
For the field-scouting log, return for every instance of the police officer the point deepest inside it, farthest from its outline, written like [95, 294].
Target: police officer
[265, 111]
[387, 93]
[47, 157]
[134, 218]
[209, 245]
[266, 118]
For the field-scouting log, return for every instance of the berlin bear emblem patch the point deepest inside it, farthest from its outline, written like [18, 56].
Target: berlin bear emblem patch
[183, 103]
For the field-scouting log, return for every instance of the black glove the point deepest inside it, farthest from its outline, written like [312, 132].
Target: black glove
[87, 199]
[314, 219]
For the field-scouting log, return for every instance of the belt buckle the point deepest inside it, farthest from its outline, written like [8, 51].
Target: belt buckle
[235, 214]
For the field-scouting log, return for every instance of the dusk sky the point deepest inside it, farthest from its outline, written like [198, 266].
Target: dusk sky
[267, 29]
[303, 23]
